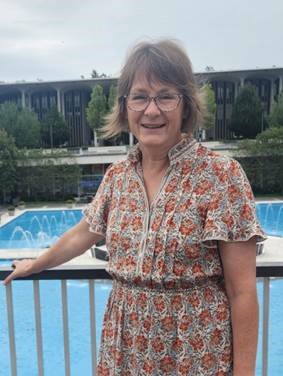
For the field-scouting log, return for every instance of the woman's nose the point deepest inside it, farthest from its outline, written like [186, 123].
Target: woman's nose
[152, 108]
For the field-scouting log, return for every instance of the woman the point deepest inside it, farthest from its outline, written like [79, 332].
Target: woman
[180, 228]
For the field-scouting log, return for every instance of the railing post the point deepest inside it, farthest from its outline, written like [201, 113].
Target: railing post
[12, 342]
[266, 283]
[66, 328]
[37, 314]
[92, 325]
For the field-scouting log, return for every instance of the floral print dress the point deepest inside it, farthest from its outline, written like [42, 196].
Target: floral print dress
[168, 312]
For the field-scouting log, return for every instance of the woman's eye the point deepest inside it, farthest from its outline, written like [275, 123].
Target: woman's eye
[139, 98]
[166, 97]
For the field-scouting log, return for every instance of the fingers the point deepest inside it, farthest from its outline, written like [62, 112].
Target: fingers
[10, 277]
[15, 263]
[18, 266]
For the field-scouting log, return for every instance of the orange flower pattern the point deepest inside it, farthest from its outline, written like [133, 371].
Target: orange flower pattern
[168, 312]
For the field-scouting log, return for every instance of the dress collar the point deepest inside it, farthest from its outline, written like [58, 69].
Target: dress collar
[185, 147]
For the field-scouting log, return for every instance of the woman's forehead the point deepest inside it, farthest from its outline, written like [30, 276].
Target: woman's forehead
[143, 81]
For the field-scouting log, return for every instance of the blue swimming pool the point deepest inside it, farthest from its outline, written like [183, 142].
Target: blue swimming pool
[37, 228]
[52, 328]
[41, 228]
[270, 215]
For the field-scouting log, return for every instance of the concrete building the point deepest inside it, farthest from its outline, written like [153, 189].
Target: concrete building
[226, 85]
[72, 97]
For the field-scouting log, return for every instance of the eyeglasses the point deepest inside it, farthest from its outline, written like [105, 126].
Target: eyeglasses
[165, 102]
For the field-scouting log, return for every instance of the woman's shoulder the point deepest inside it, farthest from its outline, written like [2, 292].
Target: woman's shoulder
[212, 165]
[213, 157]
[117, 168]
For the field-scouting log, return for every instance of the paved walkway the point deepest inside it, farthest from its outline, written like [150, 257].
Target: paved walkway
[272, 252]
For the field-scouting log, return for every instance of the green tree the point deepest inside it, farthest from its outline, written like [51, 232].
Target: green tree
[8, 165]
[267, 143]
[42, 176]
[112, 97]
[96, 110]
[247, 114]
[210, 106]
[262, 160]
[276, 114]
[54, 129]
[21, 124]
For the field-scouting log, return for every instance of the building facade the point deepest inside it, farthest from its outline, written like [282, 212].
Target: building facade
[226, 85]
[72, 97]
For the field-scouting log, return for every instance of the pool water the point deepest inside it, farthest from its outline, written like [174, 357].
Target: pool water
[270, 216]
[52, 328]
[37, 229]
[79, 327]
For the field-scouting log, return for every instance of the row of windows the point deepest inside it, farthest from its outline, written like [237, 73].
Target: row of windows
[13, 97]
[80, 133]
[262, 87]
[222, 130]
[224, 92]
[43, 101]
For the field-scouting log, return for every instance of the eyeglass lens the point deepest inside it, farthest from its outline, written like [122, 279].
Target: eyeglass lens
[165, 102]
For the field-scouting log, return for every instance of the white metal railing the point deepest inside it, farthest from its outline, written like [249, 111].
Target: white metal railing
[63, 275]
[86, 273]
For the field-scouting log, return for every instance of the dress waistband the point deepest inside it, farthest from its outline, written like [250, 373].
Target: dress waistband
[176, 287]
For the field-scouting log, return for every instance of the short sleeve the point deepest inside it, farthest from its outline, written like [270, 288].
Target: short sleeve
[96, 213]
[231, 212]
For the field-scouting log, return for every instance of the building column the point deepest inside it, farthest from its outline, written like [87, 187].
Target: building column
[242, 81]
[271, 99]
[62, 104]
[236, 89]
[58, 100]
[280, 85]
[29, 101]
[23, 98]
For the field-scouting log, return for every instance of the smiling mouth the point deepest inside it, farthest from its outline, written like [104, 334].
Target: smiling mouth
[152, 126]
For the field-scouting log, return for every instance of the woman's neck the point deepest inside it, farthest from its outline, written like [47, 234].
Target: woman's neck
[154, 160]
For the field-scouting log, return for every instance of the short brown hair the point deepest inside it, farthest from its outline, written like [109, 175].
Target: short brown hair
[164, 61]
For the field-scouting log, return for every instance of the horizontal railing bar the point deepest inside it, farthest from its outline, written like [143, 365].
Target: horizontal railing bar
[269, 271]
[82, 272]
[63, 274]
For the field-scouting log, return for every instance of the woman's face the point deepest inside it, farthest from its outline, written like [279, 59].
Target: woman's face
[154, 127]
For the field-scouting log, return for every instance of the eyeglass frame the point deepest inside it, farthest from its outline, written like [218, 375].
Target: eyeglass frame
[150, 99]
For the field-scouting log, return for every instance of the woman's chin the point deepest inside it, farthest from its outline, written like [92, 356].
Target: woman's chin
[153, 141]
[157, 140]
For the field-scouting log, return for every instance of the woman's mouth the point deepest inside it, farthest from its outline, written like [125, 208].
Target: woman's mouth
[153, 126]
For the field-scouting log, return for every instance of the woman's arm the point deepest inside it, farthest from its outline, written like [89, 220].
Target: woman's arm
[73, 243]
[239, 264]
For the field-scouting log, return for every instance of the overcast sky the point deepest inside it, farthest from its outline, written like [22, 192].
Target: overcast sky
[64, 39]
